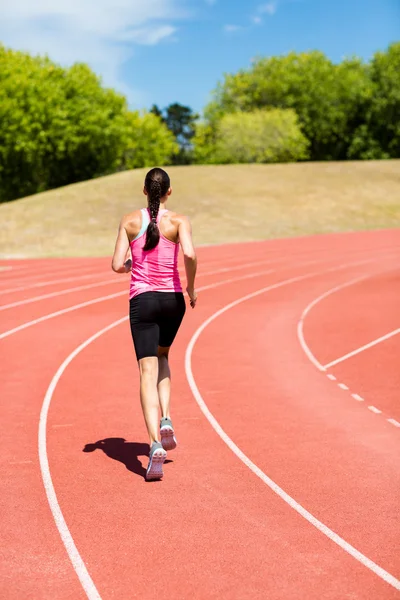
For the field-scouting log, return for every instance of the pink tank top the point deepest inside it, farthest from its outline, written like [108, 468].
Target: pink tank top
[154, 270]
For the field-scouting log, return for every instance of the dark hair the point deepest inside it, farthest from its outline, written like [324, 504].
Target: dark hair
[157, 184]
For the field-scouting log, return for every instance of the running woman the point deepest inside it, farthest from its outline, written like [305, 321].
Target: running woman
[148, 245]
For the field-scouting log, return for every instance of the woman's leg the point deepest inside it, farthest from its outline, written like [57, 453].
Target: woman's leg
[164, 381]
[149, 395]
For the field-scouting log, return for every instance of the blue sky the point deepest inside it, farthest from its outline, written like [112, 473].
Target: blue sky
[163, 51]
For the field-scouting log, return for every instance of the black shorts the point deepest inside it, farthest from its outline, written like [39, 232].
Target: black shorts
[155, 318]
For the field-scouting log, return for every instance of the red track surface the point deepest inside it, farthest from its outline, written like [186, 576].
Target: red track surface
[212, 528]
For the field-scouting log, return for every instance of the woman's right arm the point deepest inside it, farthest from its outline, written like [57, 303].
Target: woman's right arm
[190, 259]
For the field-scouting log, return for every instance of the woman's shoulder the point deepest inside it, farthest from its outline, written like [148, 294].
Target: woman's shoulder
[176, 218]
[132, 222]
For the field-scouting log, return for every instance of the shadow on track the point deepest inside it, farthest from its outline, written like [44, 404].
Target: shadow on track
[125, 452]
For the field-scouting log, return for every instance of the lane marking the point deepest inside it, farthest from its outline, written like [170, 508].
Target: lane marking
[58, 313]
[31, 280]
[48, 282]
[358, 398]
[364, 560]
[375, 410]
[394, 422]
[73, 553]
[362, 348]
[310, 355]
[60, 293]
[300, 324]
[331, 377]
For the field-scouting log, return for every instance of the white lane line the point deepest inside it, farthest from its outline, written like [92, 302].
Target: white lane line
[362, 348]
[60, 293]
[343, 386]
[49, 282]
[364, 560]
[374, 410]
[331, 377]
[300, 324]
[358, 398]
[28, 275]
[73, 553]
[60, 312]
[394, 422]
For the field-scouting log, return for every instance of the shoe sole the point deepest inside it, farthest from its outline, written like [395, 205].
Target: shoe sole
[168, 439]
[155, 468]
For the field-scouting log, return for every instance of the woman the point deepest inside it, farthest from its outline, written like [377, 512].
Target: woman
[151, 237]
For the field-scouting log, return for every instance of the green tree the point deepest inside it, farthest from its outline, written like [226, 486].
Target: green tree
[180, 120]
[261, 136]
[328, 99]
[59, 126]
[379, 135]
[148, 142]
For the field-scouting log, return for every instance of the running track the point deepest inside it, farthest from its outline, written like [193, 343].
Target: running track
[285, 483]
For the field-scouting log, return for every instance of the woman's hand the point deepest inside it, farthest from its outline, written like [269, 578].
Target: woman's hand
[192, 295]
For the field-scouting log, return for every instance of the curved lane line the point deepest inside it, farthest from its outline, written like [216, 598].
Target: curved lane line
[60, 312]
[300, 324]
[48, 283]
[75, 557]
[362, 348]
[364, 560]
[60, 293]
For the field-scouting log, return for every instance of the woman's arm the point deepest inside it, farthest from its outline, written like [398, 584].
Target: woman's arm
[190, 259]
[120, 262]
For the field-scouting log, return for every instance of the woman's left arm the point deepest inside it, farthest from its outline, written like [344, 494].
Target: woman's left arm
[120, 263]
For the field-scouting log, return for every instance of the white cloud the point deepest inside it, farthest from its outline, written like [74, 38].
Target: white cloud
[257, 20]
[102, 33]
[268, 8]
[232, 28]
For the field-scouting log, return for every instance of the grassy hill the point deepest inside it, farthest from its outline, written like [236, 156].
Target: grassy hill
[225, 203]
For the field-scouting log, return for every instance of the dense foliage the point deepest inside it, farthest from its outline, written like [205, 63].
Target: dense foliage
[346, 110]
[59, 126]
[259, 136]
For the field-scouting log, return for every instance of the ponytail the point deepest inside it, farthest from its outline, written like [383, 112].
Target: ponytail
[157, 184]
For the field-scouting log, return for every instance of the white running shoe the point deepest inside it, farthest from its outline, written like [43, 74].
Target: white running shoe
[168, 439]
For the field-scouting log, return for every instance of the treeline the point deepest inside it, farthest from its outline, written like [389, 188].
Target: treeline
[60, 126]
[303, 106]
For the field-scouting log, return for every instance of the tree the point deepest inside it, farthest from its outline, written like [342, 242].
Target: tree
[59, 126]
[379, 135]
[261, 136]
[328, 99]
[180, 120]
[148, 142]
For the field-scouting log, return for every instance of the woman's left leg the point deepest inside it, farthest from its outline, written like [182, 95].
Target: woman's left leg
[164, 381]
[149, 395]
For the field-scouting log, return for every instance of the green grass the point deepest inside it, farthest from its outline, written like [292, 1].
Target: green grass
[225, 203]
